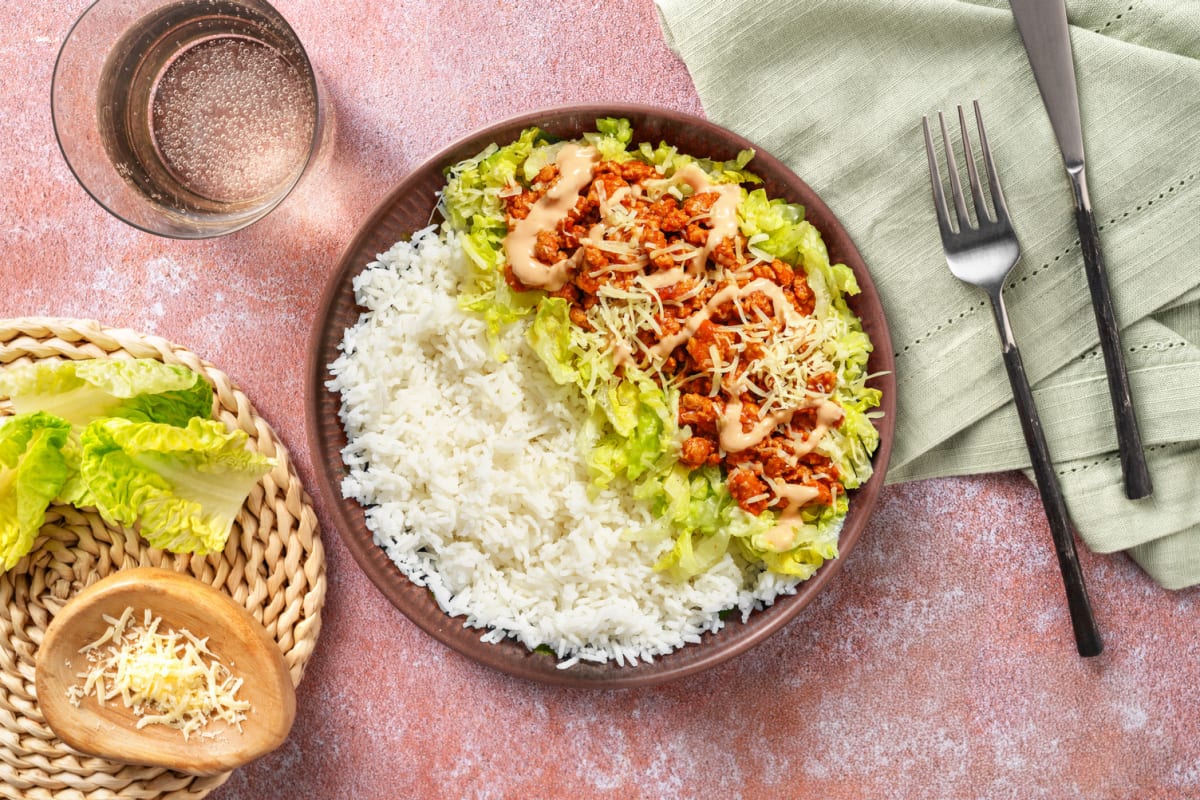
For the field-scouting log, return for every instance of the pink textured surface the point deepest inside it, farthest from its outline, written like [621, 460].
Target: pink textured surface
[940, 664]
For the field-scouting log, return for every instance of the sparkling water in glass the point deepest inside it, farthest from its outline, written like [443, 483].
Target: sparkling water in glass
[186, 118]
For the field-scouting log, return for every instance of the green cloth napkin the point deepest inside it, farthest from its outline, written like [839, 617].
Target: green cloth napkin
[837, 88]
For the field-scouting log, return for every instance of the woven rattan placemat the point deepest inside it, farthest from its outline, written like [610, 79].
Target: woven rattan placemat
[274, 565]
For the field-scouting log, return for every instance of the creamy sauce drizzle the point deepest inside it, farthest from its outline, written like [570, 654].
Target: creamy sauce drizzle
[664, 346]
[722, 219]
[668, 277]
[782, 537]
[722, 215]
[576, 165]
[829, 414]
[729, 426]
[734, 439]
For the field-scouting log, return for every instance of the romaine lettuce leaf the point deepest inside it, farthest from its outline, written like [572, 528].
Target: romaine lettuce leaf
[184, 486]
[550, 337]
[81, 391]
[32, 471]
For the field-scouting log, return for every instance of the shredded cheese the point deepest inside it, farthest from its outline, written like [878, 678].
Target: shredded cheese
[167, 677]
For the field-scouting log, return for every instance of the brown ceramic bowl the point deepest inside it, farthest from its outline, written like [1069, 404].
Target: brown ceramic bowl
[407, 209]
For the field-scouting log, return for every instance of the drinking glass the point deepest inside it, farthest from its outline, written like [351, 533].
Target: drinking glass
[186, 118]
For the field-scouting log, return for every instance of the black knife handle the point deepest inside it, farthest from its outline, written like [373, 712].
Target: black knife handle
[1129, 437]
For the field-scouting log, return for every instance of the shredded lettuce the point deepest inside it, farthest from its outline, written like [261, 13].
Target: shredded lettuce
[611, 139]
[632, 425]
[32, 471]
[669, 161]
[703, 517]
[472, 204]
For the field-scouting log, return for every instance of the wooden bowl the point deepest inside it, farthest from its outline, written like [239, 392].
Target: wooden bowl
[409, 208]
[182, 602]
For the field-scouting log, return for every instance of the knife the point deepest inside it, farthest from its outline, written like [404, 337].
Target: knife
[1043, 28]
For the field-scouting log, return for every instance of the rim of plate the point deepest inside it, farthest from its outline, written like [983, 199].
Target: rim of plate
[404, 210]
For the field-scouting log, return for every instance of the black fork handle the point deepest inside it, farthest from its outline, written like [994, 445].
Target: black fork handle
[1087, 635]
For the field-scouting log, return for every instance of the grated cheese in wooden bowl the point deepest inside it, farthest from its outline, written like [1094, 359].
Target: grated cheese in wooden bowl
[166, 677]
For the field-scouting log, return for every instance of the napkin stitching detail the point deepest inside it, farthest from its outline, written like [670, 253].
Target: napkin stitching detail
[1161, 195]
[942, 326]
[1161, 346]
[1082, 467]
[1114, 20]
[1071, 248]
[1104, 460]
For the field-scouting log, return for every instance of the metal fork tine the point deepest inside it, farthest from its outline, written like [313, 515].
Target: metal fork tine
[964, 221]
[981, 209]
[993, 181]
[935, 180]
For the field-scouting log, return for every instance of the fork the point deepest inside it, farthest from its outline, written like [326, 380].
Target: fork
[983, 254]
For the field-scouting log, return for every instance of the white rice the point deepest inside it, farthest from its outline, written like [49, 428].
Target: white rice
[473, 483]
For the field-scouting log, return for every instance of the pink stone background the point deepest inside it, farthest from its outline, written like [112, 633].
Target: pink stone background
[940, 663]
